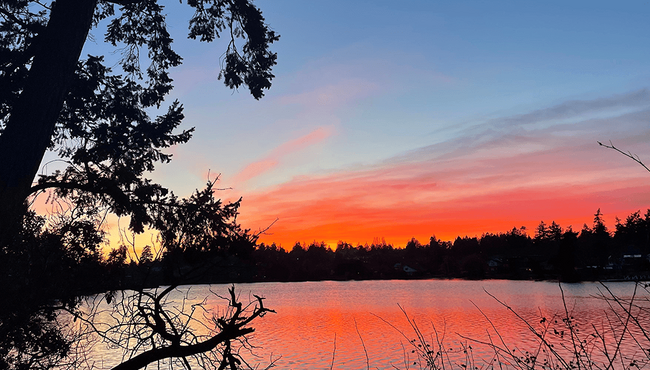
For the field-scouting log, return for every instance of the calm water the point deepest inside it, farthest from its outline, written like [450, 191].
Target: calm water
[323, 325]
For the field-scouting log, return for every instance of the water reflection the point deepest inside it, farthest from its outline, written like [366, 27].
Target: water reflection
[334, 324]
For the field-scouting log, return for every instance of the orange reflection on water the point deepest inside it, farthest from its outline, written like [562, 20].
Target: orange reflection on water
[354, 324]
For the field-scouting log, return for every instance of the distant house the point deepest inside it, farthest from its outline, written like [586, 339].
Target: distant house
[495, 264]
[632, 253]
[409, 270]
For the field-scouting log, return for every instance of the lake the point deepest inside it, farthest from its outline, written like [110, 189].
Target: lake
[360, 324]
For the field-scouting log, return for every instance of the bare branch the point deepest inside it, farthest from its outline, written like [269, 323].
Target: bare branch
[150, 331]
[633, 157]
[263, 231]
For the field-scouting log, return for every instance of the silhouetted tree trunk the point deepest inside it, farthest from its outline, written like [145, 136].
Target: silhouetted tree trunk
[29, 129]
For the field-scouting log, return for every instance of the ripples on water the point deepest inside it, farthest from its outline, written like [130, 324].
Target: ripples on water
[319, 325]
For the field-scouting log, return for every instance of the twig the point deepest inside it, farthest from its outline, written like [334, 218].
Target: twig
[633, 157]
[629, 316]
[263, 231]
[569, 323]
[565, 365]
[362, 344]
[333, 353]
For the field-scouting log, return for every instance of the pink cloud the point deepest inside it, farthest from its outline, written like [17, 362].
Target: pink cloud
[255, 169]
[274, 158]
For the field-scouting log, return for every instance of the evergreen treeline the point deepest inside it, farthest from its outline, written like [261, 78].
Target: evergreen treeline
[553, 252]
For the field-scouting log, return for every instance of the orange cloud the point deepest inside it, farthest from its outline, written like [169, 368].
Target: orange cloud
[492, 177]
[349, 214]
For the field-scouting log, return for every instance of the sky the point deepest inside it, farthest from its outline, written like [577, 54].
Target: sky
[410, 119]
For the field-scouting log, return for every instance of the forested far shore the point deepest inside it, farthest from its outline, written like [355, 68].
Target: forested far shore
[551, 251]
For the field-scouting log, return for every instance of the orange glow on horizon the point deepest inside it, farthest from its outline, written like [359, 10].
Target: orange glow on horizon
[339, 218]
[466, 189]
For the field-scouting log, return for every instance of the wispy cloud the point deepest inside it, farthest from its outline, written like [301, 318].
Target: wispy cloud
[333, 95]
[580, 108]
[272, 160]
[492, 177]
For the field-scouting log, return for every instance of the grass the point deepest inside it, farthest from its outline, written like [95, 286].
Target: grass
[621, 342]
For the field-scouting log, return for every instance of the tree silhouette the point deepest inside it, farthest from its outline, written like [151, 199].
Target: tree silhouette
[99, 123]
[96, 120]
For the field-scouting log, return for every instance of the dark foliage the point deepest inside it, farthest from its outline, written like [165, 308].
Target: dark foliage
[46, 270]
[100, 124]
[552, 253]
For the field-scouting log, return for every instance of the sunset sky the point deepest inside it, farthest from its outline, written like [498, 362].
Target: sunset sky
[420, 118]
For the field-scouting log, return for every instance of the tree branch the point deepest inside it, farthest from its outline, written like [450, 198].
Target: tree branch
[230, 329]
[633, 157]
[12, 17]
[124, 2]
[157, 354]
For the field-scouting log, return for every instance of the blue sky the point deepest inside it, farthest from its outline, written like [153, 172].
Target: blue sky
[381, 93]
